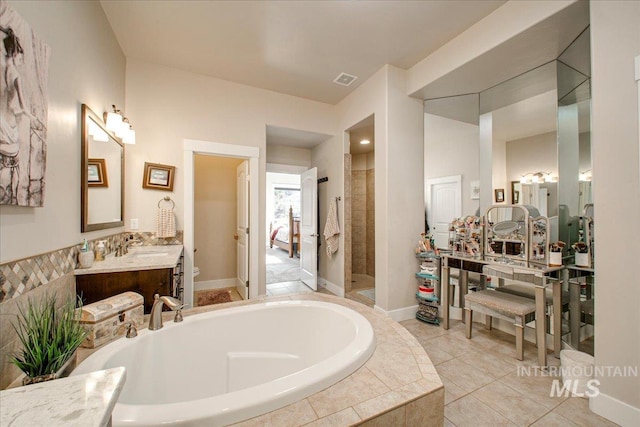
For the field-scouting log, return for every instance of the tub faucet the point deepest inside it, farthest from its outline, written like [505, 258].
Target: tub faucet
[155, 320]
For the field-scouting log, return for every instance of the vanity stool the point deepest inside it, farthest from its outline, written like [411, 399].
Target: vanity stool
[526, 291]
[514, 308]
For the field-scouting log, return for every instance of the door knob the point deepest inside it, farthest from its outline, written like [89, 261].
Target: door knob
[235, 237]
[313, 235]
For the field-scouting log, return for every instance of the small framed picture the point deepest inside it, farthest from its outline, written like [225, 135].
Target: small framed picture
[158, 177]
[499, 193]
[97, 173]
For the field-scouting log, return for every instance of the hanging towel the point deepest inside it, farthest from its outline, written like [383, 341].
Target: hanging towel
[165, 223]
[332, 230]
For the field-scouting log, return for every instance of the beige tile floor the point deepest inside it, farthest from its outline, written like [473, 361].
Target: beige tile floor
[287, 288]
[483, 386]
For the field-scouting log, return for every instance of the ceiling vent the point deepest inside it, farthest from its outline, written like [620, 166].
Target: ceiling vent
[344, 79]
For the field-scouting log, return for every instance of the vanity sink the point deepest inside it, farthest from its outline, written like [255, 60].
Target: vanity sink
[146, 254]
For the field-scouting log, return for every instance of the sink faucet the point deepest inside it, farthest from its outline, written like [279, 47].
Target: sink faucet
[127, 242]
[155, 320]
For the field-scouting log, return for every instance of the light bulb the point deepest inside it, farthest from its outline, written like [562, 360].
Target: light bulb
[129, 136]
[365, 142]
[114, 121]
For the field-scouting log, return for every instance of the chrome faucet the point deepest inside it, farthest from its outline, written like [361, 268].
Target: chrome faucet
[155, 320]
[127, 242]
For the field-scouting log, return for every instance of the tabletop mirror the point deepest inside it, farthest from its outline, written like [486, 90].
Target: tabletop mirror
[102, 175]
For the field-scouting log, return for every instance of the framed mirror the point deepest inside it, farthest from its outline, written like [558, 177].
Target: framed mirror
[102, 175]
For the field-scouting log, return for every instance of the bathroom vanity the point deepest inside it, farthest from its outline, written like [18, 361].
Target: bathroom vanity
[147, 270]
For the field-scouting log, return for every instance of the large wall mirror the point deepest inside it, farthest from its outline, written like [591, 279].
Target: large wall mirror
[531, 132]
[102, 175]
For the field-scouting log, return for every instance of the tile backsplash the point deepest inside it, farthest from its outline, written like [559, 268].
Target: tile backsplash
[22, 276]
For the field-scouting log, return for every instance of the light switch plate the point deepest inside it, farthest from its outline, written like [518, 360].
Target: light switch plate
[134, 223]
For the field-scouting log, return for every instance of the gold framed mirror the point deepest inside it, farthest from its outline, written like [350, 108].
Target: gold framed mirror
[102, 175]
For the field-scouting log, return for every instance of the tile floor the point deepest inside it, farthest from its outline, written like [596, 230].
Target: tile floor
[483, 386]
[287, 288]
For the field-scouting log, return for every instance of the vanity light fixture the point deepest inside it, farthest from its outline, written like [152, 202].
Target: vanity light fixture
[365, 142]
[120, 125]
[537, 178]
[129, 136]
[113, 120]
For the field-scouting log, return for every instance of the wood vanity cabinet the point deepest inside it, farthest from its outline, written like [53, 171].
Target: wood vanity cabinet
[96, 287]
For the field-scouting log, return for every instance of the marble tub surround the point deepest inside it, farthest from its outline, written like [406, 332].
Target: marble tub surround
[83, 401]
[138, 258]
[397, 386]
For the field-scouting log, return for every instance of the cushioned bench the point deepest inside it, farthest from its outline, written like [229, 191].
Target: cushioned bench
[517, 309]
[528, 291]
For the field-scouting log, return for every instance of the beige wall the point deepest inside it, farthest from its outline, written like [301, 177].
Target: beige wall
[451, 148]
[215, 198]
[170, 105]
[537, 153]
[399, 208]
[81, 44]
[403, 202]
[615, 41]
[285, 155]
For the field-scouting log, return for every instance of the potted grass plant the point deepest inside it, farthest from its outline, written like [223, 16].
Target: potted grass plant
[49, 336]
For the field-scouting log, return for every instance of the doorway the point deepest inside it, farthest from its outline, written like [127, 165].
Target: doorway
[217, 206]
[360, 269]
[444, 203]
[283, 247]
[252, 185]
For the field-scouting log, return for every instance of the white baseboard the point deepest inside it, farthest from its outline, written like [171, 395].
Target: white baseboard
[400, 314]
[215, 284]
[331, 287]
[615, 410]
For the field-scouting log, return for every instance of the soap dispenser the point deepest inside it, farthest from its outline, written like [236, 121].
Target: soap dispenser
[100, 251]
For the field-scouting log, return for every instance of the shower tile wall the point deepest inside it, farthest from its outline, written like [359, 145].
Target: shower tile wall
[359, 221]
[362, 222]
[370, 228]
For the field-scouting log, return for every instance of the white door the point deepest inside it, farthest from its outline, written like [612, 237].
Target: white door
[309, 228]
[242, 228]
[444, 203]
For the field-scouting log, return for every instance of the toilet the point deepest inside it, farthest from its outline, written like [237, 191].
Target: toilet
[196, 271]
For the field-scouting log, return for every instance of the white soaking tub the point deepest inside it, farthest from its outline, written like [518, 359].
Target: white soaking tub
[224, 366]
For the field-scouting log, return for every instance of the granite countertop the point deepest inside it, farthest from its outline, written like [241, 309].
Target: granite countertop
[83, 400]
[138, 258]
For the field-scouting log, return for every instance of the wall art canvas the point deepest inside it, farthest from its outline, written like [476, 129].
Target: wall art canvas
[24, 62]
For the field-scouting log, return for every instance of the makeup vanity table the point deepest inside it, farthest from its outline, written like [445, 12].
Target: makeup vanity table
[539, 276]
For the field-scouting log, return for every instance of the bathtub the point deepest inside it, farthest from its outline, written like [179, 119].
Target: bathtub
[225, 366]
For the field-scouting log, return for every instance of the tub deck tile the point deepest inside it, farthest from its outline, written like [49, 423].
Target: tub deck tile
[293, 415]
[346, 417]
[358, 387]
